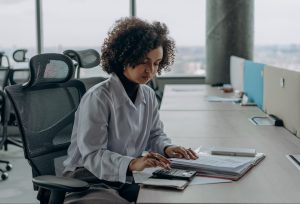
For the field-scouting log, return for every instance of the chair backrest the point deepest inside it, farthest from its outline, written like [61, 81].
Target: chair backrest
[3, 124]
[18, 76]
[4, 75]
[86, 59]
[2, 56]
[45, 108]
[154, 85]
[4, 71]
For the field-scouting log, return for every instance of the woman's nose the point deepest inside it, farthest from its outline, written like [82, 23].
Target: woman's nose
[150, 68]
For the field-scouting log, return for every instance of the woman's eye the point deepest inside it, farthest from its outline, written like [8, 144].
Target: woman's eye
[157, 63]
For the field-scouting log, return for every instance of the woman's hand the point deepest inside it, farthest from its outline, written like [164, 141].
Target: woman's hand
[149, 160]
[180, 152]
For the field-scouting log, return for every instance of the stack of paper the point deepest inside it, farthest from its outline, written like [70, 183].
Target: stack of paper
[228, 167]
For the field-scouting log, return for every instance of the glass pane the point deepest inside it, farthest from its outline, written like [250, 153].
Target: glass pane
[56, 69]
[75, 24]
[186, 22]
[277, 33]
[18, 29]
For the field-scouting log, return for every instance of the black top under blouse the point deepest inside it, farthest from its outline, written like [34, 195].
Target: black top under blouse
[130, 87]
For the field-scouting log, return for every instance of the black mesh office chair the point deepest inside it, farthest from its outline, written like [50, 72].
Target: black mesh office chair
[4, 72]
[85, 59]
[153, 84]
[15, 76]
[45, 108]
[12, 136]
[9, 76]
[3, 127]
[18, 76]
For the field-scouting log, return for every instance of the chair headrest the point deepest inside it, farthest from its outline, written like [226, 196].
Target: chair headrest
[49, 68]
[85, 58]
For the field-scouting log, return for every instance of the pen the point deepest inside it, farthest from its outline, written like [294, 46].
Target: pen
[295, 160]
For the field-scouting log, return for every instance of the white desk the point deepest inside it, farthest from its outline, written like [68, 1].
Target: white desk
[274, 180]
[191, 121]
[194, 97]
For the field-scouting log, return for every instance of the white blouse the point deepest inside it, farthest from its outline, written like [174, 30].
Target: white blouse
[109, 130]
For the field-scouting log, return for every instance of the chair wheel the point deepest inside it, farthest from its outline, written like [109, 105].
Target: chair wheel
[4, 176]
[8, 167]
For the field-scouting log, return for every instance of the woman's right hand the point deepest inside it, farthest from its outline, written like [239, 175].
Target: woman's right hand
[149, 160]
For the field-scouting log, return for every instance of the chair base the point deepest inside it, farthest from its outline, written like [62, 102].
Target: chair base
[12, 141]
[4, 174]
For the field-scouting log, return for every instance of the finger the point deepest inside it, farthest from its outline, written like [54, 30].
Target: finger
[151, 157]
[155, 163]
[151, 163]
[156, 156]
[162, 158]
[159, 157]
[191, 155]
[194, 153]
[183, 152]
[176, 155]
[160, 163]
[165, 166]
[148, 155]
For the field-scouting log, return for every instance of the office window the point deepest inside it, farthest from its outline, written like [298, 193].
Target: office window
[277, 32]
[75, 24]
[186, 22]
[17, 28]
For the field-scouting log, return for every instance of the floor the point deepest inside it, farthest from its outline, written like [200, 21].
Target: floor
[17, 189]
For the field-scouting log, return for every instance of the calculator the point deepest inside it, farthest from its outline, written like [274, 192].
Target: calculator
[174, 174]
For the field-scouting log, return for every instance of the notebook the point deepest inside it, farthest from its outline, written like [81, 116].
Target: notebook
[145, 179]
[219, 166]
[166, 183]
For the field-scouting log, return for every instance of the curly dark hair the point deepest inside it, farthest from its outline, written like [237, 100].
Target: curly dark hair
[129, 41]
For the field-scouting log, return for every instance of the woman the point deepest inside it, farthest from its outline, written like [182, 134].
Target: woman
[118, 119]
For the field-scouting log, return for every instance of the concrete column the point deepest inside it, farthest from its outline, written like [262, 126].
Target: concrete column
[39, 26]
[132, 8]
[229, 31]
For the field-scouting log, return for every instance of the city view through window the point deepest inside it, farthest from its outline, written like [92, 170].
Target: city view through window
[276, 36]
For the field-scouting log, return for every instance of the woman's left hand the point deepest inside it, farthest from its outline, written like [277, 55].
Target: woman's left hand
[180, 152]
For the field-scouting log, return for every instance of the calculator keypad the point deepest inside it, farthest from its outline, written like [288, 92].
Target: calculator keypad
[174, 173]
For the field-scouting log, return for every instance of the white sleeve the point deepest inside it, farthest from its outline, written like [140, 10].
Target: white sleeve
[92, 137]
[158, 139]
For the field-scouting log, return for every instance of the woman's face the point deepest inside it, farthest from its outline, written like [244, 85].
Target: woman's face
[144, 72]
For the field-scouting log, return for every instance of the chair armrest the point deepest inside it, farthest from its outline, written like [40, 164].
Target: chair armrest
[65, 184]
